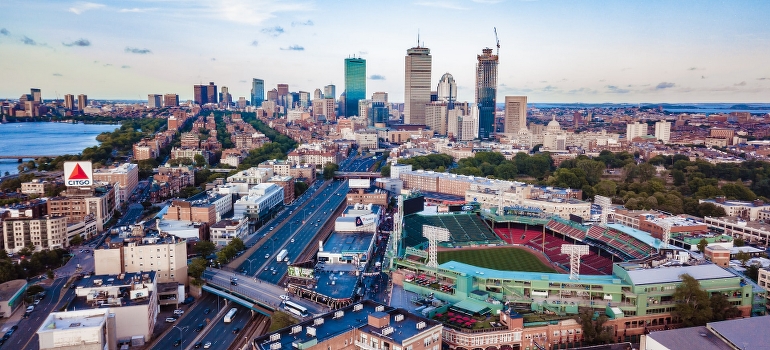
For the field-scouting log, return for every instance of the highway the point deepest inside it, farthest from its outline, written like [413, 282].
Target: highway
[300, 224]
[193, 316]
[221, 335]
[25, 337]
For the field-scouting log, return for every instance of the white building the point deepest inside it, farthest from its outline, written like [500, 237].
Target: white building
[126, 175]
[90, 329]
[167, 256]
[46, 232]
[636, 130]
[225, 230]
[253, 175]
[259, 202]
[663, 131]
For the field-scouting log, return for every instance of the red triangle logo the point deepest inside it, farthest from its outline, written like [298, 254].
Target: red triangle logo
[78, 173]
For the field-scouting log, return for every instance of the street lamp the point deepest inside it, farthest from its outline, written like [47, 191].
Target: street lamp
[250, 260]
[181, 341]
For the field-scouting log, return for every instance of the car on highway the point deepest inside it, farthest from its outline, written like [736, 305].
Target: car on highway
[198, 345]
[292, 240]
[207, 345]
[236, 330]
[177, 342]
[267, 256]
[199, 327]
[234, 283]
[206, 311]
[170, 319]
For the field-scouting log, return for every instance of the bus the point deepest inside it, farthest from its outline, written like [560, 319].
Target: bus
[282, 256]
[295, 308]
[230, 315]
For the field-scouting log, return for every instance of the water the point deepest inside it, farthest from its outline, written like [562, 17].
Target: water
[46, 139]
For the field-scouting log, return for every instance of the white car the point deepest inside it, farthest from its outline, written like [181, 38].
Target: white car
[284, 297]
[292, 240]
[178, 312]
[207, 345]
[170, 319]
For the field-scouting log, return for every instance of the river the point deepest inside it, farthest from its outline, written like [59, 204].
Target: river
[46, 139]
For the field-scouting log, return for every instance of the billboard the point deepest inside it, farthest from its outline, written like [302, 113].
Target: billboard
[366, 219]
[414, 205]
[78, 174]
[300, 272]
[359, 183]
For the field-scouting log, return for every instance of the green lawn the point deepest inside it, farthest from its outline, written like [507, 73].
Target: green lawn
[505, 259]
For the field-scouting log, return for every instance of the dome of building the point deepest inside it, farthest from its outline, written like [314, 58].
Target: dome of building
[553, 126]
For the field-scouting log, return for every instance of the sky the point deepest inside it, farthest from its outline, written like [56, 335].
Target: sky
[550, 50]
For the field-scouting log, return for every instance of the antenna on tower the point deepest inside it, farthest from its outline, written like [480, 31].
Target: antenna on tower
[498, 42]
[418, 38]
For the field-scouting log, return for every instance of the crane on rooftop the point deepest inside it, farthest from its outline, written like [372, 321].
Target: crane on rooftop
[498, 42]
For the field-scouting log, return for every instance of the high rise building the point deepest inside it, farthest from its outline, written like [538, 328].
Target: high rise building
[417, 86]
[379, 112]
[283, 96]
[211, 93]
[69, 101]
[82, 102]
[355, 84]
[447, 89]
[330, 91]
[36, 96]
[224, 97]
[515, 114]
[272, 95]
[153, 101]
[663, 131]
[257, 92]
[486, 92]
[380, 97]
[199, 94]
[170, 100]
[318, 94]
[304, 99]
[636, 130]
[436, 117]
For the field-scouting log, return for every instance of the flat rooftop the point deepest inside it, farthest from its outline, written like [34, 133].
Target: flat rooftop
[640, 235]
[10, 288]
[690, 338]
[670, 274]
[744, 333]
[337, 283]
[74, 319]
[341, 321]
[481, 272]
[348, 242]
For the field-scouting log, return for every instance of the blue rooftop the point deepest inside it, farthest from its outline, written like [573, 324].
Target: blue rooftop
[481, 272]
[642, 236]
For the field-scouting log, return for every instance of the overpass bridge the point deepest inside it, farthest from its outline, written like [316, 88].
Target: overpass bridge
[254, 294]
[356, 175]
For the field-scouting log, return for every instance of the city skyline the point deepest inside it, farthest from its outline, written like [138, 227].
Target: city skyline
[590, 51]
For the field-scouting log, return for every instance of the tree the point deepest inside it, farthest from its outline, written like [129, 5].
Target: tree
[237, 244]
[595, 332]
[385, 171]
[721, 309]
[702, 245]
[76, 241]
[196, 267]
[200, 160]
[49, 274]
[692, 302]
[205, 248]
[739, 242]
[752, 272]
[709, 209]
[606, 188]
[743, 257]
[329, 170]
[646, 172]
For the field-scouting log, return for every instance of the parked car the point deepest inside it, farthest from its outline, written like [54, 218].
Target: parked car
[170, 319]
[178, 312]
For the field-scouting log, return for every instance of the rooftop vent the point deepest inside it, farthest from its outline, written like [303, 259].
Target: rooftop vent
[275, 337]
[296, 329]
[399, 318]
[310, 331]
[420, 325]
[379, 308]
[387, 330]
[275, 346]
[318, 321]
[358, 307]
[339, 314]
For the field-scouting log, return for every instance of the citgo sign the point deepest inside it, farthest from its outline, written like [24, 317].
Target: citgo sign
[78, 174]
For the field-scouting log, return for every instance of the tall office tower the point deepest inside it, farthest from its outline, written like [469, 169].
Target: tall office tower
[447, 89]
[363, 108]
[304, 99]
[257, 92]
[380, 97]
[318, 94]
[292, 100]
[436, 117]
[200, 95]
[82, 102]
[272, 95]
[355, 84]
[663, 131]
[330, 91]
[341, 105]
[636, 130]
[211, 93]
[283, 95]
[153, 101]
[69, 101]
[224, 97]
[36, 96]
[486, 92]
[379, 113]
[170, 100]
[417, 71]
[515, 114]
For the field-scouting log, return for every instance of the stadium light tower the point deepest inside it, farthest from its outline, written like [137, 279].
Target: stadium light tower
[666, 226]
[606, 204]
[395, 235]
[575, 251]
[434, 235]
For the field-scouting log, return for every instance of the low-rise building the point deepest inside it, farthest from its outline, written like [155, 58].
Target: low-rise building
[287, 183]
[252, 176]
[207, 207]
[222, 232]
[742, 209]
[126, 175]
[77, 203]
[750, 231]
[91, 329]
[165, 255]
[36, 186]
[260, 202]
[12, 295]
[45, 232]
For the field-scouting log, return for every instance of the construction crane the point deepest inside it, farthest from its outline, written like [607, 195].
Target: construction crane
[498, 42]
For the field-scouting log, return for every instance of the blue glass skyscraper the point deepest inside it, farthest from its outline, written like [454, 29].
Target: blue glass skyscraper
[486, 92]
[355, 84]
[257, 92]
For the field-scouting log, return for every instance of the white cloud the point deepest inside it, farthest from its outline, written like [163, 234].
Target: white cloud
[253, 12]
[450, 5]
[82, 6]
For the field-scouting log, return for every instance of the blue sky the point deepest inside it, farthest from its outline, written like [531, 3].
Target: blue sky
[551, 50]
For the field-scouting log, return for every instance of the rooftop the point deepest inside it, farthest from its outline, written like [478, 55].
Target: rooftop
[10, 288]
[689, 338]
[336, 323]
[74, 320]
[343, 242]
[481, 272]
[742, 333]
[670, 274]
[642, 236]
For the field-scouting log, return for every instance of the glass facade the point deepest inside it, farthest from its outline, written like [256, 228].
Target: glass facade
[257, 92]
[486, 92]
[355, 84]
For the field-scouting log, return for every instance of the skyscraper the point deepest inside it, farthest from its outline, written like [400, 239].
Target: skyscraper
[417, 86]
[224, 97]
[486, 92]
[635, 130]
[330, 92]
[283, 96]
[211, 93]
[663, 131]
[69, 101]
[515, 114]
[170, 100]
[447, 89]
[318, 94]
[153, 101]
[257, 92]
[36, 96]
[199, 94]
[355, 84]
[82, 102]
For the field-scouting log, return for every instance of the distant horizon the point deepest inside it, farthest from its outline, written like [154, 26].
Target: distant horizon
[592, 51]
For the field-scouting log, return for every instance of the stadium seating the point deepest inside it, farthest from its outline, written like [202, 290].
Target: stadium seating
[517, 235]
